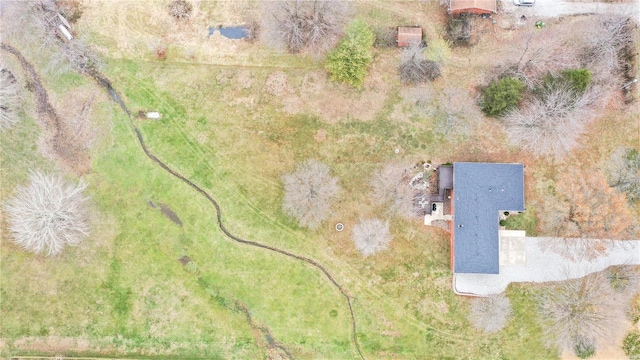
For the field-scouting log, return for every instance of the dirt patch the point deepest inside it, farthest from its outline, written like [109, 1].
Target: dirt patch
[184, 260]
[54, 344]
[245, 79]
[277, 84]
[62, 140]
[170, 214]
[320, 136]
[443, 224]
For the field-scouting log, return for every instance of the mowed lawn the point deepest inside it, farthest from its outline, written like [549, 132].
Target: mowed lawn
[228, 128]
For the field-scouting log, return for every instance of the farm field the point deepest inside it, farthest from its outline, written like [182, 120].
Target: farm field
[158, 278]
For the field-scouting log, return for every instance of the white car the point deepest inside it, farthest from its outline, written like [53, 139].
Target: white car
[524, 2]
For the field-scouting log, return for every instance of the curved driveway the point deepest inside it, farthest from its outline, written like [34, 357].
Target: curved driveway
[543, 266]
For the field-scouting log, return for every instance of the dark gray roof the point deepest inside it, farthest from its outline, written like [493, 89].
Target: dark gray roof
[481, 191]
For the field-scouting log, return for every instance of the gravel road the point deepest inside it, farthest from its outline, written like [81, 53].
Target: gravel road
[554, 8]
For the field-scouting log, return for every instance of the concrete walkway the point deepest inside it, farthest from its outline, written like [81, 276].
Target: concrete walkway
[531, 264]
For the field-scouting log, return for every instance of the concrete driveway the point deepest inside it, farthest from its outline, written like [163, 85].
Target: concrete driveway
[525, 262]
[554, 8]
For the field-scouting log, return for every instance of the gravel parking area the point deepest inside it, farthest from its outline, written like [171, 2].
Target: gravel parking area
[543, 266]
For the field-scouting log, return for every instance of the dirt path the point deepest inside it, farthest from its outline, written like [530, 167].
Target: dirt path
[59, 138]
[106, 84]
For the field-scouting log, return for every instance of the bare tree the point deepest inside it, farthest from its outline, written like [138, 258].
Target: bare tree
[371, 236]
[180, 9]
[542, 53]
[587, 214]
[551, 123]
[623, 169]
[414, 66]
[579, 313]
[607, 37]
[490, 314]
[44, 18]
[421, 97]
[9, 98]
[458, 30]
[455, 115]
[48, 214]
[298, 25]
[391, 188]
[308, 192]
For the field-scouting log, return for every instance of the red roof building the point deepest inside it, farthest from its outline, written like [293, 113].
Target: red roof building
[473, 6]
[409, 36]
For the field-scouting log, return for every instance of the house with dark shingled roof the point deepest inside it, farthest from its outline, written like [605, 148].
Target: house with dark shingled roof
[473, 195]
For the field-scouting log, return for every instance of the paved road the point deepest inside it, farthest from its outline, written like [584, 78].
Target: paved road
[555, 8]
[542, 267]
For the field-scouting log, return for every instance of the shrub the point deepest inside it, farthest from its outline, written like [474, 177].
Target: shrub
[180, 9]
[415, 68]
[458, 30]
[623, 277]
[348, 62]
[584, 348]
[490, 314]
[308, 192]
[502, 96]
[631, 345]
[371, 236]
[385, 37]
[578, 79]
[624, 172]
[48, 214]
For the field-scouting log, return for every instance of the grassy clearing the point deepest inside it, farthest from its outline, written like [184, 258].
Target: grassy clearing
[527, 221]
[403, 302]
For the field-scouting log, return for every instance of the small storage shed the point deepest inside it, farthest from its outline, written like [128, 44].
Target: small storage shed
[409, 36]
[473, 6]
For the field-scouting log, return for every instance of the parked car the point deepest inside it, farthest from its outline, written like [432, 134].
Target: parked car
[524, 2]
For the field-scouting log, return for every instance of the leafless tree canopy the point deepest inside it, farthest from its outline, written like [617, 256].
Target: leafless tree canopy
[48, 214]
[298, 25]
[586, 213]
[623, 169]
[455, 115]
[415, 68]
[606, 40]
[391, 188]
[180, 9]
[550, 124]
[308, 192]
[582, 309]
[371, 236]
[490, 314]
[9, 98]
[64, 53]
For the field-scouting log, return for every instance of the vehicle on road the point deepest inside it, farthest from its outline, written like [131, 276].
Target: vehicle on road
[524, 2]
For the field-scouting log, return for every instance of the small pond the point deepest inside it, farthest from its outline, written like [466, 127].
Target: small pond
[231, 32]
